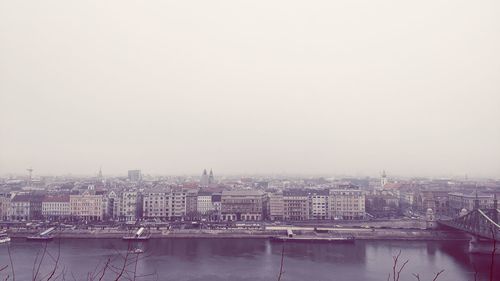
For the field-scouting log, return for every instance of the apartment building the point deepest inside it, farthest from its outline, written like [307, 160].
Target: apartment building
[178, 203]
[26, 207]
[157, 204]
[347, 202]
[192, 202]
[295, 205]
[318, 203]
[243, 205]
[56, 207]
[4, 206]
[130, 206]
[87, 206]
[276, 206]
[204, 203]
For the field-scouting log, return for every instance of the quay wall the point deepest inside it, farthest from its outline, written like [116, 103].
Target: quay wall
[360, 234]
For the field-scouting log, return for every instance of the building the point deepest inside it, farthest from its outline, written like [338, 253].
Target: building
[192, 203]
[4, 206]
[134, 175]
[178, 203]
[276, 206]
[243, 205]
[87, 206]
[318, 205]
[207, 179]
[112, 203]
[56, 207]
[437, 200]
[130, 206]
[295, 205]
[26, 207]
[382, 204]
[347, 202]
[156, 204]
[458, 201]
[216, 201]
[204, 203]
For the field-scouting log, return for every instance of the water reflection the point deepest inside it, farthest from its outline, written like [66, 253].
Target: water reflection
[257, 259]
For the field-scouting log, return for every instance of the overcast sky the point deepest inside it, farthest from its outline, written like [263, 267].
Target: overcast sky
[311, 87]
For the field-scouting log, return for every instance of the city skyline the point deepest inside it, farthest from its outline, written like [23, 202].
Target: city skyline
[328, 88]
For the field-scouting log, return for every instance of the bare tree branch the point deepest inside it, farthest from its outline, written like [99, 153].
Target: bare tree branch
[492, 264]
[281, 263]
[437, 275]
[11, 264]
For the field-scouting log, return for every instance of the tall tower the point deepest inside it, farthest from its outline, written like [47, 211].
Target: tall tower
[99, 175]
[383, 179]
[211, 178]
[30, 171]
[476, 201]
[495, 208]
[204, 178]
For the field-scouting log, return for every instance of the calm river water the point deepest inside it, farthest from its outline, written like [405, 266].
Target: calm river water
[254, 259]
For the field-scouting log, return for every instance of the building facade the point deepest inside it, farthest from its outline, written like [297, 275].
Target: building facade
[243, 205]
[26, 207]
[156, 204]
[276, 206]
[295, 205]
[4, 206]
[204, 203]
[318, 202]
[347, 203]
[56, 207]
[130, 206]
[458, 201]
[87, 206]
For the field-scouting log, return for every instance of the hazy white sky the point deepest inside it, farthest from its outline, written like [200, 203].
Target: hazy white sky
[171, 87]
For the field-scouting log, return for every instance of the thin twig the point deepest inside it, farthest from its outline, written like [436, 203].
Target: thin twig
[492, 264]
[281, 263]
[437, 275]
[56, 262]
[11, 264]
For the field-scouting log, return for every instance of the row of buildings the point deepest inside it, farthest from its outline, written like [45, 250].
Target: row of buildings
[344, 202]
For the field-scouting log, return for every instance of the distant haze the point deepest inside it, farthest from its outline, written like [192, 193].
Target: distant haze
[310, 87]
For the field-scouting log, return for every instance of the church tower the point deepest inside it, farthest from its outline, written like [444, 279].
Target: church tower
[383, 179]
[204, 179]
[211, 179]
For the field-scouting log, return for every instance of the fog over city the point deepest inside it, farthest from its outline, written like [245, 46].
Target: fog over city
[295, 87]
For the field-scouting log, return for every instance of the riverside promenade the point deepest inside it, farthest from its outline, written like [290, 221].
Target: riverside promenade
[357, 233]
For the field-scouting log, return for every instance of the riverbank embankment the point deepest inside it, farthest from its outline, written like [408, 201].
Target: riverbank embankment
[359, 234]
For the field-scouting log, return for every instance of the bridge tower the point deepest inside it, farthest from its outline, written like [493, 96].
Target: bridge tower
[495, 207]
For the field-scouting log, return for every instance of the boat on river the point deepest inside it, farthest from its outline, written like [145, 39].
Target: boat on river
[313, 239]
[138, 236]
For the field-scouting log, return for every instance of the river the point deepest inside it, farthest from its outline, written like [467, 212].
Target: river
[251, 259]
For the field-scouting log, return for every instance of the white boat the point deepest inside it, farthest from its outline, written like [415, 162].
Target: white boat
[4, 238]
[137, 251]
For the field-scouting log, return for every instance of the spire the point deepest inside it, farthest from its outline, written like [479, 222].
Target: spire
[211, 177]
